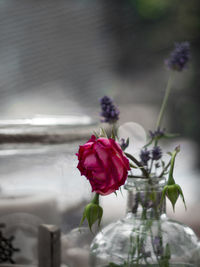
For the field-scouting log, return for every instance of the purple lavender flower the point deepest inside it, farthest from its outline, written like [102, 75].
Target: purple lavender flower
[157, 134]
[179, 57]
[156, 153]
[109, 111]
[145, 156]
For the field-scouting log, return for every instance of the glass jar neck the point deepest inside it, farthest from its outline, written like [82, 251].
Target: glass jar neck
[144, 198]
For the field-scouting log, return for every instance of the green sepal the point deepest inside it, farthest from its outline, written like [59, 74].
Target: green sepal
[172, 192]
[82, 219]
[92, 212]
[182, 196]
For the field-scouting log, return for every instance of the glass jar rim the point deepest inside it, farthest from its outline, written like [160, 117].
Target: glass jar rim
[145, 184]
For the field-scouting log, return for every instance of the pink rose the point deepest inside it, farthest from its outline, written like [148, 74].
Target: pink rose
[104, 164]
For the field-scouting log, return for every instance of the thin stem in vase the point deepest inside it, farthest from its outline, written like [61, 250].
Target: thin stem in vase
[144, 171]
[165, 100]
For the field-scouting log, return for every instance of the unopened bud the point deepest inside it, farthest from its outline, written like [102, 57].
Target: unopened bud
[92, 212]
[172, 192]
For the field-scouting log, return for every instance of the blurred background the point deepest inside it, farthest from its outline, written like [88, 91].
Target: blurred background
[57, 58]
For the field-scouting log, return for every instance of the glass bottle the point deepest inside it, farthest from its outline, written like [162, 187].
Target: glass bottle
[146, 236]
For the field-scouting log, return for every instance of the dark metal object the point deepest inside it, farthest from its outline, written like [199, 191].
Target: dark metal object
[6, 248]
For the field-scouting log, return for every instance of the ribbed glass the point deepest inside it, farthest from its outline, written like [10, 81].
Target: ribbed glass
[146, 236]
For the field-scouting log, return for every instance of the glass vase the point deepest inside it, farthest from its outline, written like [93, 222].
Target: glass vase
[146, 236]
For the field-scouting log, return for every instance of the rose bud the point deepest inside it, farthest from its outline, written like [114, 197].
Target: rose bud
[104, 164]
[92, 212]
[172, 192]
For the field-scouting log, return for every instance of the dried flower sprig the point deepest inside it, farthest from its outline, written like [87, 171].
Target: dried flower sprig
[109, 111]
[179, 57]
[177, 61]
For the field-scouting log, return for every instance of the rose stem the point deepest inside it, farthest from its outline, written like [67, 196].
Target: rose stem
[95, 199]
